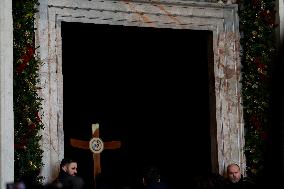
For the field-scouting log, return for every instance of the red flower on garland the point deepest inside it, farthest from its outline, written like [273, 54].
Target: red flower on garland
[268, 17]
[259, 64]
[32, 127]
[255, 122]
[22, 144]
[25, 59]
[263, 135]
[38, 119]
[261, 67]
[255, 3]
[263, 77]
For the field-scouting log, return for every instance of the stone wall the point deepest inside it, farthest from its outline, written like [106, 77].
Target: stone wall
[6, 93]
[221, 18]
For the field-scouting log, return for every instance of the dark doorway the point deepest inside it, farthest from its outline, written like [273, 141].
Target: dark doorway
[146, 87]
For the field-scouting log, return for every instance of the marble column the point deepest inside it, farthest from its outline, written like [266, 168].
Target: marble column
[6, 93]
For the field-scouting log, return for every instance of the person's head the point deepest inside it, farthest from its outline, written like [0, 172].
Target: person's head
[69, 166]
[234, 173]
[151, 174]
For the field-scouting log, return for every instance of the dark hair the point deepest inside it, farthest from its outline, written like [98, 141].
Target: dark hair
[66, 161]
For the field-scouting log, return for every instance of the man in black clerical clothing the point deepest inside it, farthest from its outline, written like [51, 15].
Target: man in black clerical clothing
[235, 180]
[67, 178]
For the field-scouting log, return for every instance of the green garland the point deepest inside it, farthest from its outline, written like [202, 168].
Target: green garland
[27, 103]
[259, 49]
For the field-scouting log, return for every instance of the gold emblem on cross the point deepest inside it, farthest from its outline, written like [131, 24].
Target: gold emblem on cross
[96, 145]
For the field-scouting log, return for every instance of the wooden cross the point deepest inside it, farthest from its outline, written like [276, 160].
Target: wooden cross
[96, 156]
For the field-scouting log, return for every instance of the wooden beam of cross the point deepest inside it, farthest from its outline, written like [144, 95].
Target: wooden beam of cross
[110, 145]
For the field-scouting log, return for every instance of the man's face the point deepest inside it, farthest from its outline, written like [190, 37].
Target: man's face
[71, 168]
[234, 173]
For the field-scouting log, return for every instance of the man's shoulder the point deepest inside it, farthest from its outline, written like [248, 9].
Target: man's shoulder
[244, 183]
[249, 181]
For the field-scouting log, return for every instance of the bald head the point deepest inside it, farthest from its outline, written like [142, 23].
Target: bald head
[234, 173]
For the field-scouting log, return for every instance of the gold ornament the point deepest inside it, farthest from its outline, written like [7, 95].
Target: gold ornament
[254, 34]
[34, 167]
[29, 121]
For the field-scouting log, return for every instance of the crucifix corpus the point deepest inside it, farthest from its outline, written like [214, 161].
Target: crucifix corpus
[96, 145]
